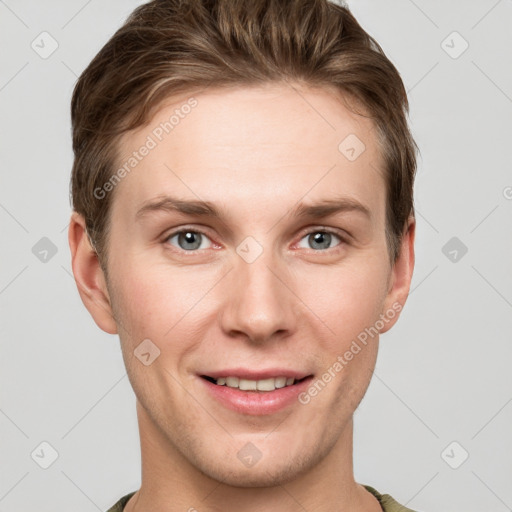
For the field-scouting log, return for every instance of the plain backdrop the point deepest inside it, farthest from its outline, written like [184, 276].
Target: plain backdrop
[434, 429]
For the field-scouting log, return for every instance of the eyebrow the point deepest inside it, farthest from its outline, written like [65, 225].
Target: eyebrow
[324, 208]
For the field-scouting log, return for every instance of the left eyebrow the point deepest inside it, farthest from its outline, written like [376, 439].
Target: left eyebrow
[330, 207]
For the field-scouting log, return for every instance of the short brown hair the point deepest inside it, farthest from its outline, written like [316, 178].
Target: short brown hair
[169, 47]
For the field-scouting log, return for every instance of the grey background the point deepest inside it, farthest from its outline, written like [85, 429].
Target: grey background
[443, 373]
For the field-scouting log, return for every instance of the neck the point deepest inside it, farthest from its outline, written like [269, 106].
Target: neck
[170, 482]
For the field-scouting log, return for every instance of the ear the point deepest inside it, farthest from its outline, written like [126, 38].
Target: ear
[400, 278]
[89, 276]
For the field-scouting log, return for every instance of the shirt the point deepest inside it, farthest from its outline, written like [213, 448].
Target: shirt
[387, 503]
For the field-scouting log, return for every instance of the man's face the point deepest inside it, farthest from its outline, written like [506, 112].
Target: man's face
[260, 291]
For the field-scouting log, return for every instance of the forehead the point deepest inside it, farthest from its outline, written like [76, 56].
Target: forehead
[248, 145]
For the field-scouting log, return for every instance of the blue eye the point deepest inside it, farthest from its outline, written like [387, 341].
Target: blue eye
[190, 240]
[319, 240]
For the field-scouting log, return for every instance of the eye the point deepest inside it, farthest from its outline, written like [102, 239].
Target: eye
[189, 240]
[319, 240]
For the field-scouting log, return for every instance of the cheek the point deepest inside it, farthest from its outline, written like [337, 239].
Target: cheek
[154, 303]
[157, 301]
[350, 306]
[348, 299]
[169, 306]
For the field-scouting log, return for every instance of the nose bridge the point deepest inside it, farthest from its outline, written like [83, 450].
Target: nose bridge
[259, 303]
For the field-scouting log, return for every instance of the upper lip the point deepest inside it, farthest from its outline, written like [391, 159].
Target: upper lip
[255, 374]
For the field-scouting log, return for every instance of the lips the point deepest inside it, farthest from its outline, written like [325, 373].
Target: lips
[250, 374]
[255, 392]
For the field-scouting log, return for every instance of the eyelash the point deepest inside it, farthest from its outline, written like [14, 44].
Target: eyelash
[342, 239]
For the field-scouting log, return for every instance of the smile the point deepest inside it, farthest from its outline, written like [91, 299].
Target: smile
[257, 396]
[270, 384]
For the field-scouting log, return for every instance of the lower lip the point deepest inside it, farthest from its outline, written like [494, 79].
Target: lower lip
[256, 403]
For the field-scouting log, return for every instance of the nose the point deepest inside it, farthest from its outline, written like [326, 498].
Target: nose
[260, 304]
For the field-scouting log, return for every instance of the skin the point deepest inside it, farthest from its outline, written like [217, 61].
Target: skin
[254, 153]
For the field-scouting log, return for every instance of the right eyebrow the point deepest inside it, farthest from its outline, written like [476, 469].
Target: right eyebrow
[171, 204]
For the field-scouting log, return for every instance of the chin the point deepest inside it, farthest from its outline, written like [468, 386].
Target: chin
[269, 473]
[252, 477]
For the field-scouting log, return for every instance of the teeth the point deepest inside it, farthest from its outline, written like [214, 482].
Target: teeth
[247, 385]
[232, 382]
[280, 382]
[256, 385]
[266, 385]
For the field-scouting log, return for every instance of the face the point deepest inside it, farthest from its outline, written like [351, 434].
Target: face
[248, 246]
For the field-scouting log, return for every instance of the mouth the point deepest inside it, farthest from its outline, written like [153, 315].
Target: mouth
[256, 393]
[260, 385]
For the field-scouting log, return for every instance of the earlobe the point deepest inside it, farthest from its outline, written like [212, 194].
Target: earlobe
[401, 276]
[89, 276]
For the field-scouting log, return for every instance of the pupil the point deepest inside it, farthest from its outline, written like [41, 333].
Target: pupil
[321, 240]
[188, 239]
